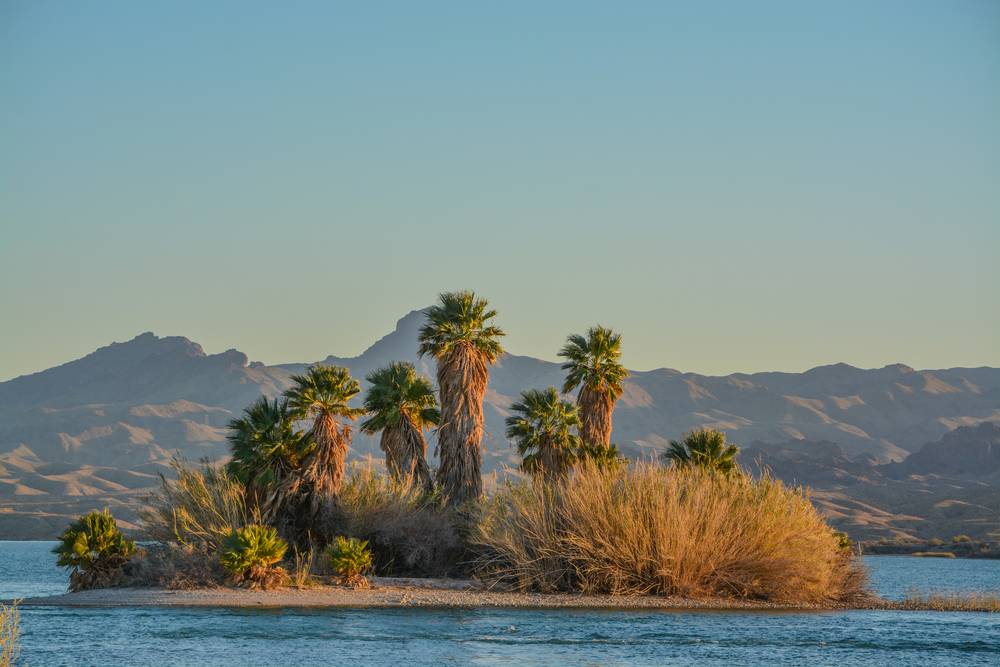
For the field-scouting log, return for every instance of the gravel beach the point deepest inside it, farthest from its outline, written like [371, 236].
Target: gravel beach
[387, 592]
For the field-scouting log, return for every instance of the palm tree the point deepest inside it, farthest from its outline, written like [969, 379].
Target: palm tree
[322, 394]
[402, 405]
[593, 365]
[262, 443]
[266, 449]
[458, 336]
[705, 448]
[542, 427]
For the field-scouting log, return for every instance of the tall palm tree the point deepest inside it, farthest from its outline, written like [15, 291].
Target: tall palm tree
[592, 362]
[402, 404]
[706, 448]
[322, 395]
[542, 426]
[458, 334]
[266, 449]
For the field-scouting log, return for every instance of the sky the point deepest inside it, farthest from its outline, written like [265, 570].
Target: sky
[734, 186]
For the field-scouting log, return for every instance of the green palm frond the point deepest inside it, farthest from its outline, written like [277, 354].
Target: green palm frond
[397, 392]
[263, 442]
[594, 361]
[460, 318]
[323, 390]
[251, 555]
[252, 546]
[706, 448]
[350, 557]
[542, 426]
[94, 549]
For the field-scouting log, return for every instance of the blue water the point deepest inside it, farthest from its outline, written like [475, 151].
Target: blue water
[78, 637]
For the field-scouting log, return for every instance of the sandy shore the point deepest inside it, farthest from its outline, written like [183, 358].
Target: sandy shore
[394, 593]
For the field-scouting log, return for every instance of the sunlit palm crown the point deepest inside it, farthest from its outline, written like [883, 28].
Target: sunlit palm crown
[706, 448]
[593, 361]
[460, 318]
[323, 390]
[397, 392]
[264, 438]
[540, 414]
[541, 419]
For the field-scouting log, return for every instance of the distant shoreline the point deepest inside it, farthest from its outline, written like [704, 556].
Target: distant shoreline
[387, 593]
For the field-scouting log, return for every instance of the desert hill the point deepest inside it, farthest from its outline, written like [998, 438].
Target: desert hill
[97, 430]
[947, 487]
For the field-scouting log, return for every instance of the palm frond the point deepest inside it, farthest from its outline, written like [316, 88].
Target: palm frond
[705, 448]
[401, 405]
[460, 318]
[593, 364]
[542, 425]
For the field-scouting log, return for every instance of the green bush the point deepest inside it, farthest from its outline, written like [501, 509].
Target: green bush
[351, 559]
[251, 555]
[843, 541]
[95, 550]
[601, 456]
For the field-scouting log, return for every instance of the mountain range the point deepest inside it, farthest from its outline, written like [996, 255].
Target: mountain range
[98, 430]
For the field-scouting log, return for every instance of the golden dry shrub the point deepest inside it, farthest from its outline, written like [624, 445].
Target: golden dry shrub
[648, 529]
[10, 634]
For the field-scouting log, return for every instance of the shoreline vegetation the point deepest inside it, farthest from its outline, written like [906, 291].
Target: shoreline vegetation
[959, 546]
[576, 526]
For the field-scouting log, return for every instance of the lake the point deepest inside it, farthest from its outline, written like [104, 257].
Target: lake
[242, 637]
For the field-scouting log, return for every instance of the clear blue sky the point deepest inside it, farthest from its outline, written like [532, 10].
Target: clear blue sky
[736, 186]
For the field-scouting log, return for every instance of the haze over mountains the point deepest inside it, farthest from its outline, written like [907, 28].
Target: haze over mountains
[96, 431]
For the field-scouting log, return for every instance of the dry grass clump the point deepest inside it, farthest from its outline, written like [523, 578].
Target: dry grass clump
[189, 518]
[653, 530]
[303, 563]
[10, 634]
[199, 508]
[952, 601]
[408, 530]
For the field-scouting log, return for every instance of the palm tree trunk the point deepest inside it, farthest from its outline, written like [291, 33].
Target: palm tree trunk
[551, 460]
[462, 377]
[595, 416]
[406, 455]
[324, 471]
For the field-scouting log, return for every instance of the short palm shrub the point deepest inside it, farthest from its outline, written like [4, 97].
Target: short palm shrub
[10, 635]
[95, 551]
[651, 529]
[350, 559]
[705, 448]
[251, 555]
